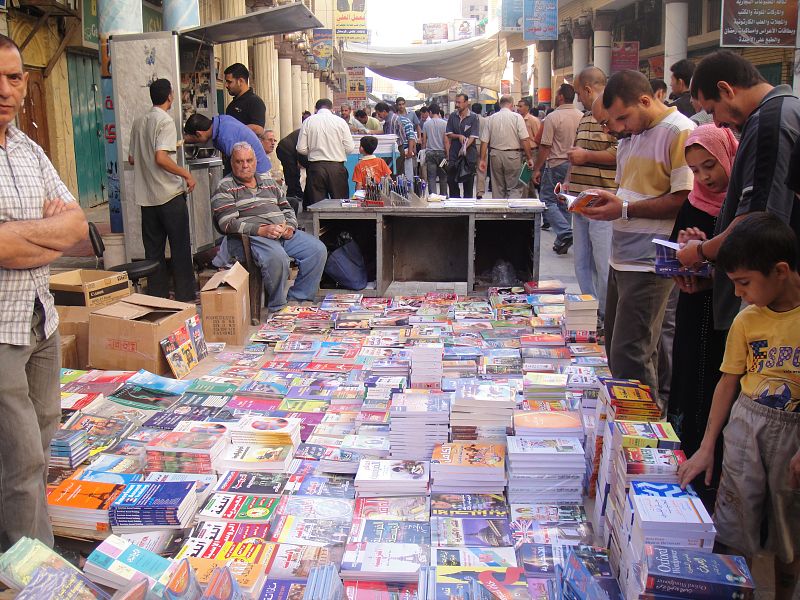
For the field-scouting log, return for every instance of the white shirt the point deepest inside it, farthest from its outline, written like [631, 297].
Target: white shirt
[504, 130]
[325, 136]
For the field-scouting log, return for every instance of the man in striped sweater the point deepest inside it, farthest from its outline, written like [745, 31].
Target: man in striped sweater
[249, 203]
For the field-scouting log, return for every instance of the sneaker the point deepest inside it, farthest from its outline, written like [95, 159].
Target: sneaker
[561, 246]
[545, 226]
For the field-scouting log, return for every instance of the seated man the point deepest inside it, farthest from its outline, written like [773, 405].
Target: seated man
[253, 204]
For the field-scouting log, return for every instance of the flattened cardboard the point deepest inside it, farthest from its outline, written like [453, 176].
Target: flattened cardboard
[127, 335]
[225, 302]
[87, 287]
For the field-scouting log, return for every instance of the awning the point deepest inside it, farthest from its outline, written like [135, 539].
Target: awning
[432, 87]
[265, 22]
[477, 61]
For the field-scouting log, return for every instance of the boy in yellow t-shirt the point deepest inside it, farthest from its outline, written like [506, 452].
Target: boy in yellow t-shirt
[760, 483]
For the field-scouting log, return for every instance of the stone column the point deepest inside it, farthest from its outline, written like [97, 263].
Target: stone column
[530, 68]
[285, 102]
[233, 52]
[180, 14]
[603, 22]
[297, 96]
[313, 89]
[676, 36]
[114, 16]
[262, 80]
[516, 73]
[275, 110]
[304, 91]
[581, 30]
[544, 70]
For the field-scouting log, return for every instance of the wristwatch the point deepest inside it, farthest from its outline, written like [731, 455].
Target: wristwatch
[625, 216]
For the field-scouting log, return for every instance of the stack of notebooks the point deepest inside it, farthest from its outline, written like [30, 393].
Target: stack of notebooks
[468, 467]
[377, 478]
[69, 448]
[419, 421]
[545, 470]
[426, 365]
[153, 505]
[482, 410]
[184, 452]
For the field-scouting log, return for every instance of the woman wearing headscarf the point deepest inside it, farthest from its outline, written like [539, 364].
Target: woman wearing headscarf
[699, 348]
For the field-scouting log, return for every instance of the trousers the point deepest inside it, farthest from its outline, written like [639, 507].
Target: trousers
[557, 214]
[592, 250]
[325, 179]
[640, 300]
[273, 258]
[505, 167]
[433, 158]
[169, 221]
[31, 409]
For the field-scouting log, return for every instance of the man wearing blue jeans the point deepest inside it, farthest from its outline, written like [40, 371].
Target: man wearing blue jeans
[558, 137]
[253, 204]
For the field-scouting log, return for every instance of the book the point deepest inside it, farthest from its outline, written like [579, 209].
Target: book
[456, 531]
[479, 582]
[116, 563]
[384, 562]
[238, 508]
[19, 563]
[53, 582]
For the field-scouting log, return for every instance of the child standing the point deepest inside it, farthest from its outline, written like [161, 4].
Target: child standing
[759, 488]
[369, 166]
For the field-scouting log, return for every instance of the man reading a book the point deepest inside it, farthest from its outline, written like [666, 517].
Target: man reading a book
[40, 220]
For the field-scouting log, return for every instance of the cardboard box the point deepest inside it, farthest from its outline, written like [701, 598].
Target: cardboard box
[127, 335]
[225, 300]
[74, 320]
[69, 352]
[84, 287]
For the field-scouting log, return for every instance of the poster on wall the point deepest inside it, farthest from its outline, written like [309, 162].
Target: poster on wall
[351, 21]
[322, 47]
[356, 83]
[540, 20]
[435, 32]
[771, 23]
[624, 55]
[464, 29]
[511, 15]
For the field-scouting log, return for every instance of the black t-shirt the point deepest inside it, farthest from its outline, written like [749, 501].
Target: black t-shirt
[248, 108]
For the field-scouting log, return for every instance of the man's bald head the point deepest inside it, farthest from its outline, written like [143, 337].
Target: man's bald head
[592, 76]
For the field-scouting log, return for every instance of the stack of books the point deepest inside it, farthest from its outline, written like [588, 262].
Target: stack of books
[548, 424]
[82, 505]
[672, 573]
[419, 421]
[116, 562]
[468, 467]
[377, 478]
[580, 318]
[69, 448]
[545, 470]
[189, 452]
[267, 431]
[426, 365]
[544, 386]
[19, 563]
[253, 457]
[482, 410]
[153, 505]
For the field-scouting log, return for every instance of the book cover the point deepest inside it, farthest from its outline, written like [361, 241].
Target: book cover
[408, 508]
[282, 589]
[233, 507]
[469, 505]
[455, 531]
[252, 483]
[480, 582]
[60, 583]
[393, 532]
[473, 557]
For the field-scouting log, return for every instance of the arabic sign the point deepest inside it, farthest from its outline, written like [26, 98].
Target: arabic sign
[540, 20]
[511, 16]
[356, 84]
[322, 47]
[434, 32]
[759, 23]
[624, 55]
[351, 21]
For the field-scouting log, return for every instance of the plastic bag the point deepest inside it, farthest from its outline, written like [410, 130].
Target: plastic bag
[503, 274]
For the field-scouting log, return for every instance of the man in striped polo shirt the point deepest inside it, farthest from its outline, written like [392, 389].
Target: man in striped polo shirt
[251, 203]
[654, 181]
[593, 164]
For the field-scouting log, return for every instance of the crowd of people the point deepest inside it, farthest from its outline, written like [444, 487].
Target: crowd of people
[721, 354]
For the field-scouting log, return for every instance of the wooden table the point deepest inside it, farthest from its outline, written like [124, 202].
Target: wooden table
[428, 242]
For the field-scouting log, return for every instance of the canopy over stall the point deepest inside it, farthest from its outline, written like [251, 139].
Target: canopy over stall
[477, 61]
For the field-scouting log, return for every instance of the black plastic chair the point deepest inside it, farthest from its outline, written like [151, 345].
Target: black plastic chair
[136, 270]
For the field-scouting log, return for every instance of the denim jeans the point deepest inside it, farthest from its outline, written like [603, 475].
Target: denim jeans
[592, 250]
[273, 258]
[433, 158]
[557, 214]
[639, 299]
[31, 409]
